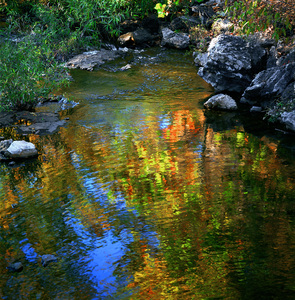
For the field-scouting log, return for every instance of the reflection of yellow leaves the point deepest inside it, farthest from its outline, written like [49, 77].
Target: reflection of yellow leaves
[153, 281]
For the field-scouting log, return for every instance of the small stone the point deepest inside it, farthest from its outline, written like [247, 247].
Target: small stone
[221, 102]
[256, 109]
[15, 267]
[124, 68]
[48, 258]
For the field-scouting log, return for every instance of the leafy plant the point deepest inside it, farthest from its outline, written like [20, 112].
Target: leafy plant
[260, 15]
[161, 9]
[172, 7]
[27, 71]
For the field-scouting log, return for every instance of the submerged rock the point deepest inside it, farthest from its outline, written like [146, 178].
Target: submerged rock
[48, 258]
[21, 149]
[15, 267]
[222, 102]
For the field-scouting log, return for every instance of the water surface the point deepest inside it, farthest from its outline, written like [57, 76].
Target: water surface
[144, 195]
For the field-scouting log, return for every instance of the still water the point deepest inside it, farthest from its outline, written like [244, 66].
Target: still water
[144, 195]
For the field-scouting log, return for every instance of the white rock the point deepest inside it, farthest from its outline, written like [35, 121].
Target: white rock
[221, 101]
[21, 149]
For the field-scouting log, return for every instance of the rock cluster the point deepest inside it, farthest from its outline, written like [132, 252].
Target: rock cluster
[248, 68]
[33, 122]
[234, 64]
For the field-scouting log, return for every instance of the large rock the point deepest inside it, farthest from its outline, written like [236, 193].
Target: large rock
[91, 59]
[174, 40]
[269, 84]
[221, 102]
[231, 63]
[21, 149]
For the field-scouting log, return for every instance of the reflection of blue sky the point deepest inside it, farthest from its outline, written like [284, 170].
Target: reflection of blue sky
[28, 250]
[165, 121]
[100, 259]
[102, 254]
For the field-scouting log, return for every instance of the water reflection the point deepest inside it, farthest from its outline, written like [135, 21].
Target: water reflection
[145, 196]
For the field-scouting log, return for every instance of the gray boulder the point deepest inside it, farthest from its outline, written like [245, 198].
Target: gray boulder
[21, 149]
[91, 59]
[174, 40]
[288, 119]
[221, 102]
[269, 84]
[230, 63]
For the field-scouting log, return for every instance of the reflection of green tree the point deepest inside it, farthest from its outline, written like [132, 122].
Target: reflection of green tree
[223, 217]
[206, 241]
[38, 222]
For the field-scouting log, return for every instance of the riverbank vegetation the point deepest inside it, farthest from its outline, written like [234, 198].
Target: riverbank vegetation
[37, 36]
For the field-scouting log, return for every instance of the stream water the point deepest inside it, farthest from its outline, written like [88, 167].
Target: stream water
[144, 195]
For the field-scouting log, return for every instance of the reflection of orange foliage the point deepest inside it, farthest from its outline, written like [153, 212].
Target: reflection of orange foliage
[183, 124]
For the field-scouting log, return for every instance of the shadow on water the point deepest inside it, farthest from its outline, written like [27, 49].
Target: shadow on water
[144, 195]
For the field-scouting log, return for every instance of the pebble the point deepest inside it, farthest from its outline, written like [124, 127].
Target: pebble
[15, 267]
[48, 258]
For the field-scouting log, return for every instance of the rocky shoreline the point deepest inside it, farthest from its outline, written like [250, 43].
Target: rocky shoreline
[255, 72]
